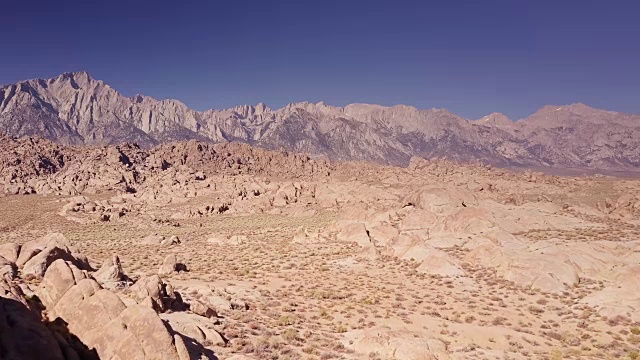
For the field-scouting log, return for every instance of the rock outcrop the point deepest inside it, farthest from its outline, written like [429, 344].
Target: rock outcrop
[86, 319]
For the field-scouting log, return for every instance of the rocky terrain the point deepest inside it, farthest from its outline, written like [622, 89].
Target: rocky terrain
[194, 250]
[75, 108]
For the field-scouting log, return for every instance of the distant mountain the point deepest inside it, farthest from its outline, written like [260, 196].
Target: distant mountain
[74, 108]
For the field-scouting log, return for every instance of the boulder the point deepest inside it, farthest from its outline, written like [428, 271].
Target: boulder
[355, 232]
[432, 261]
[102, 321]
[381, 233]
[169, 265]
[440, 200]
[197, 327]
[540, 272]
[156, 294]
[198, 307]
[304, 235]
[57, 280]
[24, 336]
[137, 333]
[153, 240]
[39, 263]
[418, 219]
[56, 245]
[396, 344]
[10, 251]
[33, 247]
[160, 240]
[173, 240]
[621, 297]
[7, 268]
[110, 275]
[437, 262]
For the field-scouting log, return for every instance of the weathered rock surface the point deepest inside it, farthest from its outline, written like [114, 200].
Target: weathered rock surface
[156, 294]
[24, 336]
[101, 320]
[10, 251]
[7, 269]
[396, 344]
[110, 275]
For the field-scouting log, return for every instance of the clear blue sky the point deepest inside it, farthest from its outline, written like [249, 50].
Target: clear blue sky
[471, 57]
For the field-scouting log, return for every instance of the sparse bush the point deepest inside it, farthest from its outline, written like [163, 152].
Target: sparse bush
[341, 329]
[290, 335]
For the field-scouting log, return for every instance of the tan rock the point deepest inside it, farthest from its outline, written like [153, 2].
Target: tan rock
[10, 251]
[194, 326]
[156, 294]
[399, 344]
[24, 336]
[136, 333]
[7, 268]
[355, 232]
[169, 265]
[110, 275]
[58, 279]
[38, 264]
[200, 308]
[56, 246]
[173, 240]
[152, 240]
[33, 247]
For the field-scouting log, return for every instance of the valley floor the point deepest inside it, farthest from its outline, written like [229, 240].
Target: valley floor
[383, 263]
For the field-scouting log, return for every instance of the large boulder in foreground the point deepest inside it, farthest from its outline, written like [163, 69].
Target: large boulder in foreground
[36, 256]
[101, 320]
[22, 335]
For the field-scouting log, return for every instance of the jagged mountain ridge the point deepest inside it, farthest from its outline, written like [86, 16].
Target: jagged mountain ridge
[75, 108]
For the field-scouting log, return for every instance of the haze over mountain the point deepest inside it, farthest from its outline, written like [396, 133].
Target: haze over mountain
[75, 108]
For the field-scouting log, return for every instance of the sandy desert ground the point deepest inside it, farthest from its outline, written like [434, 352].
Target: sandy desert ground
[335, 261]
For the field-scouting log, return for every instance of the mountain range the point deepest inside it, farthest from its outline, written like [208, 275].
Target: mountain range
[75, 108]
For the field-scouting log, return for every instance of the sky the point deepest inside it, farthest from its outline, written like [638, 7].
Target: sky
[471, 57]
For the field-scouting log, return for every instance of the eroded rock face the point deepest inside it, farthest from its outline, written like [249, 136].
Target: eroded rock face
[110, 275]
[620, 298]
[38, 264]
[24, 336]
[396, 344]
[431, 222]
[8, 269]
[194, 326]
[101, 320]
[169, 265]
[156, 294]
[10, 251]
[35, 256]
[355, 232]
